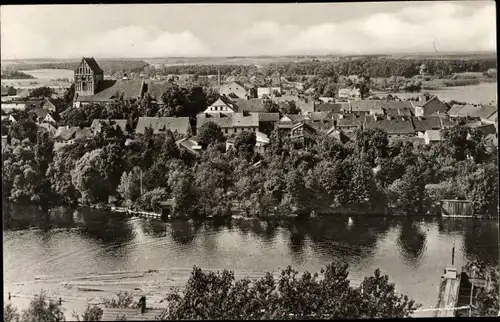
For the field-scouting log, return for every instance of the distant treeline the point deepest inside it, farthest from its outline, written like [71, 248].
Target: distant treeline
[381, 67]
[108, 66]
[371, 66]
[14, 74]
[201, 70]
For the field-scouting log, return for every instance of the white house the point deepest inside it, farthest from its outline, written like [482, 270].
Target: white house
[221, 106]
[432, 136]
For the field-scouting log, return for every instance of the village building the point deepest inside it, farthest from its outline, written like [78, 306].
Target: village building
[339, 135]
[267, 121]
[423, 124]
[97, 124]
[7, 107]
[232, 123]
[397, 127]
[350, 122]
[235, 89]
[53, 104]
[189, 144]
[9, 118]
[91, 87]
[268, 91]
[65, 135]
[339, 107]
[349, 94]
[222, 105]
[46, 116]
[426, 106]
[49, 127]
[261, 141]
[432, 136]
[160, 125]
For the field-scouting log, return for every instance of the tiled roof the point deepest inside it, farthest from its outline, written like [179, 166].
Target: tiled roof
[320, 126]
[398, 111]
[131, 314]
[121, 123]
[486, 129]
[423, 124]
[40, 113]
[268, 117]
[455, 109]
[333, 107]
[93, 65]
[392, 126]
[250, 105]
[113, 89]
[295, 117]
[229, 120]
[486, 111]
[159, 124]
[156, 89]
[447, 122]
[65, 133]
[350, 120]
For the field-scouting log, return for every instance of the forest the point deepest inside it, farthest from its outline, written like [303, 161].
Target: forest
[14, 74]
[363, 174]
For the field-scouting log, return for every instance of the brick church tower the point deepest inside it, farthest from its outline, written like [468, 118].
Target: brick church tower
[88, 74]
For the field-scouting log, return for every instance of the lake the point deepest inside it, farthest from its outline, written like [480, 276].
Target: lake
[43, 77]
[412, 251]
[482, 93]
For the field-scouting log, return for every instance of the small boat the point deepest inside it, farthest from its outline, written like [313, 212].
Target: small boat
[350, 222]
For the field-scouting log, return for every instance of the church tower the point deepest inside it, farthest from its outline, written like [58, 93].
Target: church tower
[88, 74]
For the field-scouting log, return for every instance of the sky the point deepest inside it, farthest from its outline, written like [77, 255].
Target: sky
[201, 30]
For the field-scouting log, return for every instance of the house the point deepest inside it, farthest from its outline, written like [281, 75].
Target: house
[65, 135]
[349, 94]
[46, 116]
[162, 124]
[320, 117]
[91, 87]
[350, 122]
[432, 136]
[9, 118]
[249, 105]
[221, 105]
[302, 133]
[262, 140]
[332, 107]
[52, 104]
[486, 112]
[293, 118]
[432, 106]
[49, 127]
[189, 144]
[485, 129]
[267, 91]
[238, 90]
[230, 123]
[267, 122]
[276, 79]
[141, 313]
[338, 134]
[96, 125]
[400, 127]
[423, 124]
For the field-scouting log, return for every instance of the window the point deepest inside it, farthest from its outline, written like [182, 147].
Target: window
[225, 130]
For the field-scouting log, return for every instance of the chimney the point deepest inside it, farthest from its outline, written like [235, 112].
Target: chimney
[141, 306]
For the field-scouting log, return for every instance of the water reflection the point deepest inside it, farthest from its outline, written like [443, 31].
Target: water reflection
[90, 240]
[411, 242]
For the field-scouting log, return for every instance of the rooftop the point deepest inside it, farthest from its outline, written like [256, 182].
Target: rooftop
[159, 124]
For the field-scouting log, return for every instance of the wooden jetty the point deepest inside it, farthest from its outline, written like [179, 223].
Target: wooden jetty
[139, 213]
[448, 293]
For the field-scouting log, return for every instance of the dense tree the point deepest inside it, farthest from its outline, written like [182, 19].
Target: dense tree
[89, 179]
[210, 133]
[245, 142]
[43, 309]
[210, 295]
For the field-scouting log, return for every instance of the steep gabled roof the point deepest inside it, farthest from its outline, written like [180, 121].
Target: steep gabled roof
[93, 65]
[423, 124]
[350, 120]
[159, 124]
[113, 89]
[294, 117]
[229, 120]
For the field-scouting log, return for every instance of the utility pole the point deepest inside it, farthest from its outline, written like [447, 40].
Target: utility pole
[141, 180]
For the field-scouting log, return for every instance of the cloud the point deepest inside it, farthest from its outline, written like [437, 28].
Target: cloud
[125, 42]
[414, 28]
[453, 27]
